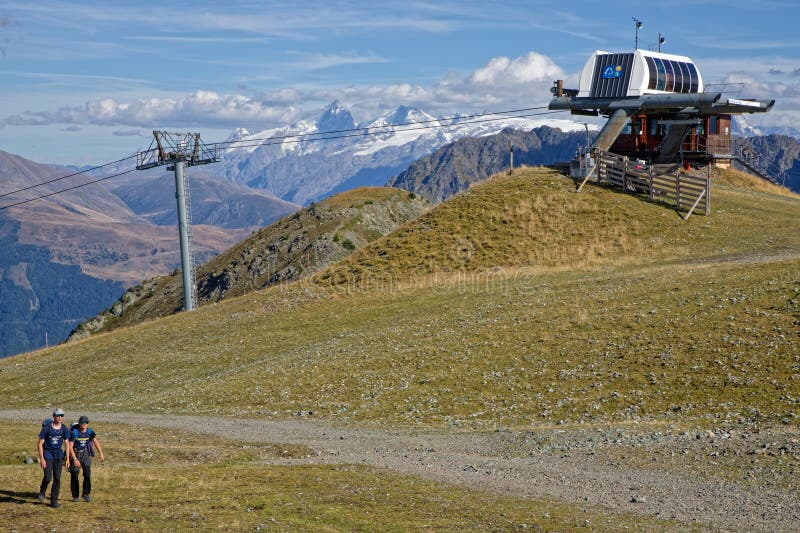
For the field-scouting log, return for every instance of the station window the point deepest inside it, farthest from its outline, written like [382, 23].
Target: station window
[694, 78]
[685, 81]
[662, 75]
[676, 68]
[651, 66]
[657, 128]
[713, 125]
[670, 86]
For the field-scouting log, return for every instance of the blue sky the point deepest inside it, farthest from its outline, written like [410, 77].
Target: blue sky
[87, 82]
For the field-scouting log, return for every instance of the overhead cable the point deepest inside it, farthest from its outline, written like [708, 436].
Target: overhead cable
[67, 189]
[67, 176]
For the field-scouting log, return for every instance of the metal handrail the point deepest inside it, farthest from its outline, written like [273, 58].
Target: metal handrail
[734, 89]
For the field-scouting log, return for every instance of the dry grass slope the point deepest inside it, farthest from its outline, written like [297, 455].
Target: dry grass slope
[746, 181]
[534, 220]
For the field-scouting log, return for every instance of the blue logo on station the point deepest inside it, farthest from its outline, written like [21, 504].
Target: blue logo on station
[612, 71]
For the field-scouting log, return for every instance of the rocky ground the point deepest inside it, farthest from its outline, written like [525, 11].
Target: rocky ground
[738, 478]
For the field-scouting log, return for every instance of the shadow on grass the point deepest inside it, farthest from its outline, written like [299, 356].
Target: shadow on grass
[10, 496]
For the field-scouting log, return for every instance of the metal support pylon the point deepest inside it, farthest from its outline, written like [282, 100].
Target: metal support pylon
[179, 151]
[184, 225]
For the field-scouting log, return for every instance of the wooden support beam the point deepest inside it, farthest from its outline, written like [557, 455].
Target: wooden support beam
[695, 205]
[589, 175]
[161, 155]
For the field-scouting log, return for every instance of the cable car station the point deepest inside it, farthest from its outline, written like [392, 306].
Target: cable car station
[658, 108]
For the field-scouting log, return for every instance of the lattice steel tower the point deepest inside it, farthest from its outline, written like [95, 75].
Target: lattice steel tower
[180, 150]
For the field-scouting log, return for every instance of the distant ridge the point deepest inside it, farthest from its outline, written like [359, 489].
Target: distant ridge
[778, 156]
[456, 166]
[215, 202]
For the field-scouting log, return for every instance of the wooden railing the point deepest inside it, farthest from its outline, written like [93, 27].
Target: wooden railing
[707, 144]
[683, 191]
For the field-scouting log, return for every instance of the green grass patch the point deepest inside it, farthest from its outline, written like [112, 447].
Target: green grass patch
[705, 342]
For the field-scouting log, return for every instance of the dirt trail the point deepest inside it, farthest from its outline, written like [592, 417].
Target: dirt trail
[508, 463]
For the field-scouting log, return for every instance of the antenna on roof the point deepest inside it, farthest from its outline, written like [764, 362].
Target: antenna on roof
[639, 24]
[661, 40]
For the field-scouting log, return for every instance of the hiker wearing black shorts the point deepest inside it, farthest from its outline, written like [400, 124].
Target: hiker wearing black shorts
[82, 443]
[51, 456]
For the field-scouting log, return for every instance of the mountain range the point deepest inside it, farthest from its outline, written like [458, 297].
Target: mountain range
[776, 156]
[353, 154]
[740, 127]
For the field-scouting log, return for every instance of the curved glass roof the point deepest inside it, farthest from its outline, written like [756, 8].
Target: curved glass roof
[672, 76]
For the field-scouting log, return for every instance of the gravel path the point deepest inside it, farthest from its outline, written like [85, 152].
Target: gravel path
[568, 465]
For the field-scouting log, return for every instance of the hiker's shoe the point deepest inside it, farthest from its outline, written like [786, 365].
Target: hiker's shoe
[75, 499]
[55, 505]
[41, 496]
[86, 498]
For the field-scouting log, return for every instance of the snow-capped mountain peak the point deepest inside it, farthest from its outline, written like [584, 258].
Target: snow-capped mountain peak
[405, 114]
[335, 118]
[401, 115]
[237, 135]
[742, 128]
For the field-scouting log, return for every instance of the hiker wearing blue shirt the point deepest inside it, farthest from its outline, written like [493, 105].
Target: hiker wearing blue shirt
[51, 455]
[82, 443]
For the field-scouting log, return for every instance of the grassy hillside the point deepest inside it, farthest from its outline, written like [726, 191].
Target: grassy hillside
[290, 249]
[516, 304]
[747, 181]
[534, 220]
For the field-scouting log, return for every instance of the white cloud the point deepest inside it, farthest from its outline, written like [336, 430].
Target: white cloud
[522, 81]
[307, 61]
[502, 70]
[786, 111]
[199, 108]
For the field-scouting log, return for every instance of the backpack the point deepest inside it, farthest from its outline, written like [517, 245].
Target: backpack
[89, 445]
